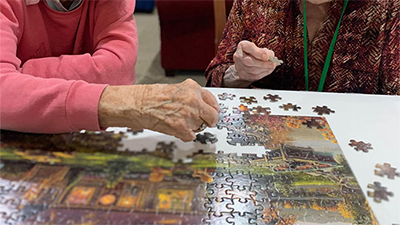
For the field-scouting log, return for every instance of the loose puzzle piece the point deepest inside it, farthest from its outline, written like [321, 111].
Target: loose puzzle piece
[312, 123]
[323, 110]
[206, 138]
[288, 106]
[360, 145]
[225, 96]
[261, 110]
[248, 100]
[134, 132]
[272, 98]
[380, 193]
[386, 169]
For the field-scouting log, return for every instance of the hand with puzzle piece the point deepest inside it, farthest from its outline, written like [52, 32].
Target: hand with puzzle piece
[251, 64]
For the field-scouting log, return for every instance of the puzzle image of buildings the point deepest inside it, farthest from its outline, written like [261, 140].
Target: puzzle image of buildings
[85, 178]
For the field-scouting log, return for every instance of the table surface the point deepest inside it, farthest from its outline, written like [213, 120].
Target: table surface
[373, 119]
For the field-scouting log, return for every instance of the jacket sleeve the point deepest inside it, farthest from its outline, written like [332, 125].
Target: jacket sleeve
[115, 45]
[390, 65]
[232, 35]
[35, 104]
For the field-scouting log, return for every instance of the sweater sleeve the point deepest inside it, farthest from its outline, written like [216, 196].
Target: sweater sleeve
[233, 34]
[34, 104]
[390, 65]
[115, 45]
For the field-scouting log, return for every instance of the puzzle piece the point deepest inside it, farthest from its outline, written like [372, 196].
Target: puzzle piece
[288, 106]
[206, 138]
[312, 123]
[225, 96]
[386, 169]
[134, 132]
[323, 110]
[380, 193]
[272, 98]
[237, 219]
[360, 145]
[217, 206]
[276, 60]
[261, 110]
[248, 100]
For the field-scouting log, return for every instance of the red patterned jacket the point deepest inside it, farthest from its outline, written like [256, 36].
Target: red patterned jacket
[366, 58]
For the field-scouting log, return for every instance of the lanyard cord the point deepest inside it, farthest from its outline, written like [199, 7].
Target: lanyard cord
[330, 52]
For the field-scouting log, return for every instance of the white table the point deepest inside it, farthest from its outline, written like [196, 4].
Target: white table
[371, 118]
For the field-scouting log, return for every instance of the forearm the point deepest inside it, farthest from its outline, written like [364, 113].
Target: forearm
[117, 111]
[38, 105]
[102, 68]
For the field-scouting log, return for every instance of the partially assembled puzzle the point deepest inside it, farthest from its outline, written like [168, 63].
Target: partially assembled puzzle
[99, 178]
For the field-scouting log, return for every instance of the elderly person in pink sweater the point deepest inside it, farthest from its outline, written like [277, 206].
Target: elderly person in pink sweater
[63, 64]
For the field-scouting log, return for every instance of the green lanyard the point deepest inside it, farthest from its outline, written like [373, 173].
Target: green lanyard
[330, 52]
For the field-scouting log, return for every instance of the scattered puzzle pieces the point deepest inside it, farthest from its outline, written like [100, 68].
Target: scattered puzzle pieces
[380, 193]
[206, 138]
[272, 98]
[288, 106]
[248, 100]
[323, 110]
[360, 145]
[387, 170]
[225, 96]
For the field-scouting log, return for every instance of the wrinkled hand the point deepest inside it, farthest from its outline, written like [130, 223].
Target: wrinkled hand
[174, 109]
[252, 63]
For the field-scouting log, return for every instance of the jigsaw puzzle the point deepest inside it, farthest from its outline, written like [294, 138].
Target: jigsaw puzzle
[85, 178]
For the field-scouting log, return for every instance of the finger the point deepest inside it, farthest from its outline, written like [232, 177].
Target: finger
[239, 50]
[208, 114]
[253, 62]
[252, 49]
[270, 53]
[210, 99]
[182, 133]
[187, 136]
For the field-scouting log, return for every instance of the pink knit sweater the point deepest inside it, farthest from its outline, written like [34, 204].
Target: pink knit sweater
[54, 65]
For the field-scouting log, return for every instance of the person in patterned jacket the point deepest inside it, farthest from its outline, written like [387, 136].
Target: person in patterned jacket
[364, 57]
